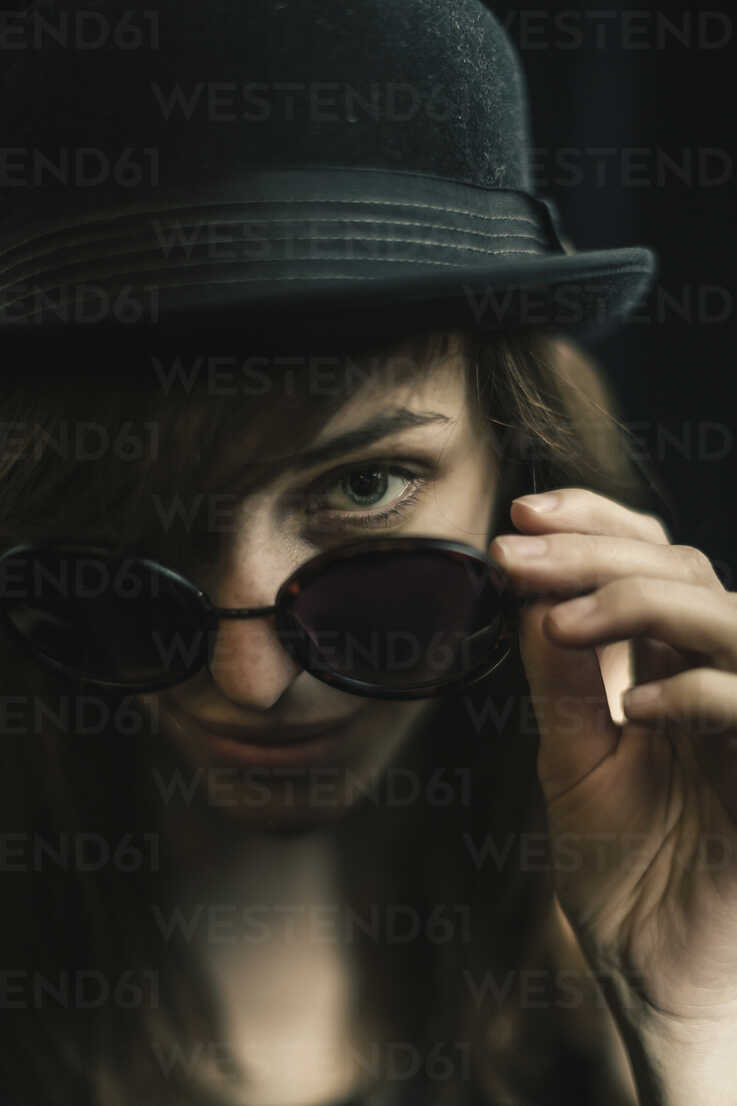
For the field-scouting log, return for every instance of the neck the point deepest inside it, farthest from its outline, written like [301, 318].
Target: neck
[265, 910]
[207, 849]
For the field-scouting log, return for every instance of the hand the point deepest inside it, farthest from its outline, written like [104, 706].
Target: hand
[642, 816]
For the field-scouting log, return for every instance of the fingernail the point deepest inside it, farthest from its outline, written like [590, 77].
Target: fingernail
[514, 545]
[641, 696]
[538, 503]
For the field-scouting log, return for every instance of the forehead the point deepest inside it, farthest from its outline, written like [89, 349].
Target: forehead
[303, 402]
[438, 386]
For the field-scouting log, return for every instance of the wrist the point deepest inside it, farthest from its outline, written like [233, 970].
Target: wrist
[679, 1066]
[688, 1061]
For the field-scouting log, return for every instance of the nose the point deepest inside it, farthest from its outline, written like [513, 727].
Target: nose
[249, 664]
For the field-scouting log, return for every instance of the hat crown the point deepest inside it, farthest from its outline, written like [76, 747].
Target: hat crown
[205, 92]
[357, 165]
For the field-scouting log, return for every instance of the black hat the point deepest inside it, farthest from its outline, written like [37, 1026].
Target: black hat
[290, 165]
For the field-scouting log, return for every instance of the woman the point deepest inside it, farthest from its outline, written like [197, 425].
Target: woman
[205, 914]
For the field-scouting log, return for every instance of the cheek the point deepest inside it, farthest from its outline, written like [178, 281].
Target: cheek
[466, 503]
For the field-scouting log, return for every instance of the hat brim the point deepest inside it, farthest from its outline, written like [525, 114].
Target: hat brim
[587, 295]
[318, 253]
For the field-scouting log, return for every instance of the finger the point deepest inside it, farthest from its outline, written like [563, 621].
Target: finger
[639, 661]
[705, 699]
[570, 703]
[699, 620]
[654, 660]
[569, 562]
[585, 512]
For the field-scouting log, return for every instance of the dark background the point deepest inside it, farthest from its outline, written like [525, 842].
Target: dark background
[654, 88]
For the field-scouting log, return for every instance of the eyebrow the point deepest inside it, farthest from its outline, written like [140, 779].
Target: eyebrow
[382, 426]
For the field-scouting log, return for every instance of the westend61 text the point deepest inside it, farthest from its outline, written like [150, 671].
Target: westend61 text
[86, 989]
[82, 30]
[76, 440]
[81, 303]
[301, 102]
[80, 577]
[325, 787]
[78, 852]
[570, 852]
[80, 715]
[258, 375]
[392, 1060]
[257, 923]
[78, 167]
[539, 988]
[631, 166]
[611, 29]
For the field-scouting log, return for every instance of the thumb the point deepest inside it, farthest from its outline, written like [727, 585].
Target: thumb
[570, 703]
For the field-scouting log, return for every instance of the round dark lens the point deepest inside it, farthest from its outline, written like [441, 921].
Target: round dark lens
[120, 621]
[400, 619]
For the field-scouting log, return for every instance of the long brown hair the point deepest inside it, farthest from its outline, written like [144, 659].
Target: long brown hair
[97, 997]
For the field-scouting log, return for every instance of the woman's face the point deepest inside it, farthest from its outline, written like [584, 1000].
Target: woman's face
[425, 460]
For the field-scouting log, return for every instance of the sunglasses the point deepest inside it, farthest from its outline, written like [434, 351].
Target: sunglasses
[387, 618]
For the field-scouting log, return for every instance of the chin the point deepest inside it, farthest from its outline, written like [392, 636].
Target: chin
[291, 799]
[290, 819]
[294, 803]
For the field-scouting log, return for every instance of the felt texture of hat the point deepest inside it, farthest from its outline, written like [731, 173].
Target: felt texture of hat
[348, 165]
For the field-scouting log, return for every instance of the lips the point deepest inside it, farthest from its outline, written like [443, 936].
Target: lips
[295, 748]
[273, 736]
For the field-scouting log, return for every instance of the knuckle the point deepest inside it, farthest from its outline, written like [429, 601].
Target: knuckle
[633, 591]
[696, 685]
[574, 497]
[615, 598]
[697, 563]
[575, 551]
[656, 529]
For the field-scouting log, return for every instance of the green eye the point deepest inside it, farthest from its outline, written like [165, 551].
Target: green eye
[341, 499]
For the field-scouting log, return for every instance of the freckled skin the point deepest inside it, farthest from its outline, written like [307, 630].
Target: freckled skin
[256, 684]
